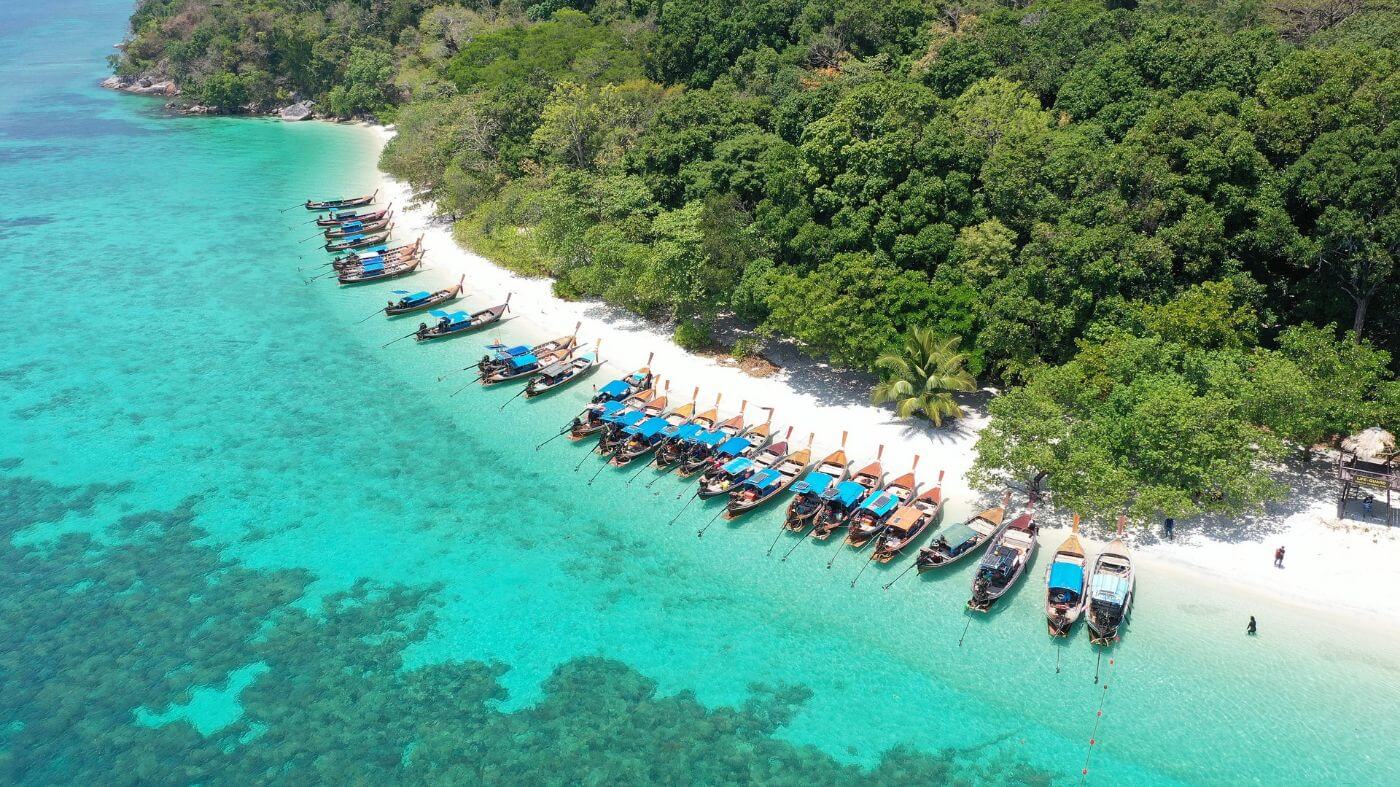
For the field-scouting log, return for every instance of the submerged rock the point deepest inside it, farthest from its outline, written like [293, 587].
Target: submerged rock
[294, 112]
[144, 86]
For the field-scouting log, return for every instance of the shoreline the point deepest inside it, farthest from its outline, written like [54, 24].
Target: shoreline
[1346, 566]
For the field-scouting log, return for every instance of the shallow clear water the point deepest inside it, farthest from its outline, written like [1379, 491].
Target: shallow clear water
[244, 542]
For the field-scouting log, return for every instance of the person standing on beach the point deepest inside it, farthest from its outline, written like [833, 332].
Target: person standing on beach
[1252, 628]
[1168, 526]
[1278, 558]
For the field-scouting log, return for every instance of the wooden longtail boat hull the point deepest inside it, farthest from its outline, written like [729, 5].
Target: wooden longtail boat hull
[438, 298]
[331, 221]
[1020, 538]
[358, 243]
[908, 522]
[1106, 629]
[580, 368]
[791, 466]
[390, 271]
[372, 226]
[992, 521]
[478, 321]
[337, 204]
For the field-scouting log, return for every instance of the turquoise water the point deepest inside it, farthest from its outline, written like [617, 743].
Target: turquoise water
[244, 543]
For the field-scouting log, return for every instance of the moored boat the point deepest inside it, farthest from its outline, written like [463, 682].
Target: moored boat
[408, 302]
[751, 458]
[1110, 591]
[808, 492]
[379, 254]
[908, 521]
[766, 485]
[337, 204]
[962, 540]
[355, 228]
[336, 219]
[839, 501]
[676, 440]
[460, 322]
[500, 355]
[1005, 562]
[610, 400]
[359, 240]
[701, 450]
[520, 367]
[614, 432]
[1064, 584]
[378, 271]
[868, 519]
[645, 437]
[562, 373]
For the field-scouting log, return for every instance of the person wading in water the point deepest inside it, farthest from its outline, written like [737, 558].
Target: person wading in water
[1252, 628]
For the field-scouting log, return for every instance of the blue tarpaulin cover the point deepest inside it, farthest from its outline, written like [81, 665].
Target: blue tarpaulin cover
[611, 407]
[419, 296]
[764, 480]
[710, 439]
[815, 483]
[848, 492]
[688, 431]
[1109, 587]
[615, 388]
[352, 225]
[880, 503]
[1067, 576]
[524, 360]
[737, 465]
[648, 429]
[734, 445]
[372, 267]
[629, 418]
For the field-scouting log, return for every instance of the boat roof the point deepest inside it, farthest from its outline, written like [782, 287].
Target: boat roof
[848, 492]
[558, 367]
[524, 360]
[418, 296]
[815, 483]
[765, 480]
[737, 465]
[734, 446]
[905, 517]
[1022, 522]
[1067, 576]
[689, 431]
[959, 534]
[1108, 587]
[710, 438]
[615, 388]
[376, 265]
[647, 429]
[629, 418]
[609, 408]
[880, 503]
[454, 317]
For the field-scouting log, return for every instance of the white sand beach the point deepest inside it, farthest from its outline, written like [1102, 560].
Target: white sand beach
[1339, 564]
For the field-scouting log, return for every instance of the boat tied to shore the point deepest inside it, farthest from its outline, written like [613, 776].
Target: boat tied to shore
[520, 367]
[807, 493]
[378, 270]
[1064, 584]
[347, 217]
[562, 373]
[738, 458]
[1005, 562]
[1110, 591]
[321, 206]
[963, 540]
[350, 228]
[868, 519]
[360, 240]
[379, 254]
[908, 521]
[840, 501]
[768, 483]
[409, 302]
[459, 323]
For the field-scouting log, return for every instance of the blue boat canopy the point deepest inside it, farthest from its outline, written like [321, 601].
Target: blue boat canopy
[689, 431]
[880, 503]
[609, 408]
[734, 446]
[738, 465]
[765, 480]
[372, 267]
[369, 260]
[524, 360]
[848, 492]
[815, 483]
[631, 417]
[649, 428]
[1067, 576]
[1110, 588]
[353, 237]
[615, 388]
[711, 439]
[352, 225]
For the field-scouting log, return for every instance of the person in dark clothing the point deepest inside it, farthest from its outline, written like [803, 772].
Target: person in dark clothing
[1169, 526]
[1252, 628]
[1278, 558]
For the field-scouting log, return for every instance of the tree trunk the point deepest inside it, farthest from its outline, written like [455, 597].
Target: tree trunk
[1358, 323]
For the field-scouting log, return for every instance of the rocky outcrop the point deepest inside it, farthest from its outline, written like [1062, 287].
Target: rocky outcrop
[295, 112]
[143, 86]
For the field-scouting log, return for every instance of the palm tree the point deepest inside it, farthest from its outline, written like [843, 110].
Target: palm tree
[921, 377]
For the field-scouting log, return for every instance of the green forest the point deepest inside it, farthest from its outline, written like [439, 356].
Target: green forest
[1167, 231]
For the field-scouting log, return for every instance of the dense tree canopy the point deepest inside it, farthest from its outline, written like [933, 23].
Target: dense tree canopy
[1169, 229]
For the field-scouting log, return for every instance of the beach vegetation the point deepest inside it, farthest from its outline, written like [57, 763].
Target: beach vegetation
[922, 376]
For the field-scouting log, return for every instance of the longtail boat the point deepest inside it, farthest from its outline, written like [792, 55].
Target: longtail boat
[500, 355]
[708, 458]
[1005, 562]
[407, 302]
[378, 271]
[908, 522]
[808, 492]
[1110, 591]
[1064, 584]
[359, 241]
[721, 479]
[458, 323]
[767, 484]
[614, 433]
[337, 204]
[346, 217]
[962, 540]
[699, 451]
[646, 436]
[562, 373]
[868, 520]
[381, 254]
[678, 440]
[839, 501]
[596, 416]
[521, 367]
[355, 228]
